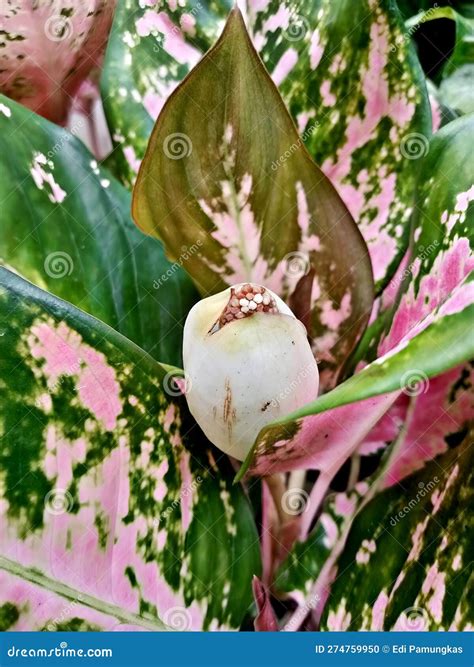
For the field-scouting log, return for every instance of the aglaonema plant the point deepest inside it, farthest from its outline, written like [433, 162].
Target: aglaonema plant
[167, 398]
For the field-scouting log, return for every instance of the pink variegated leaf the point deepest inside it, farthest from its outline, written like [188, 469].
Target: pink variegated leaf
[444, 409]
[106, 508]
[152, 47]
[350, 76]
[226, 173]
[49, 48]
[360, 566]
[430, 332]
[407, 561]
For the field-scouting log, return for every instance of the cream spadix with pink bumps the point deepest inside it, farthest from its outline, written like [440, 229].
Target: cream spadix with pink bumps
[247, 362]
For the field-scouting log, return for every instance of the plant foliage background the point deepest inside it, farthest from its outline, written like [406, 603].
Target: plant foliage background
[321, 148]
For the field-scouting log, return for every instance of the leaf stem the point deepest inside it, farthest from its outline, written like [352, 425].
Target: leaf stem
[39, 579]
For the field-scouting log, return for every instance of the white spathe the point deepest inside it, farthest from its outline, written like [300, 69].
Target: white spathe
[247, 373]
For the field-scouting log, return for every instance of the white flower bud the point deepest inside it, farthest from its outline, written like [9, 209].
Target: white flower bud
[247, 363]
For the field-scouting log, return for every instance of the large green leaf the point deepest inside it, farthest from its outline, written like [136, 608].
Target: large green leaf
[104, 502]
[150, 51]
[66, 227]
[407, 564]
[232, 177]
[430, 331]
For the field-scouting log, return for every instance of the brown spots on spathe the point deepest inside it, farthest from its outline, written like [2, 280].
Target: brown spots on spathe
[229, 413]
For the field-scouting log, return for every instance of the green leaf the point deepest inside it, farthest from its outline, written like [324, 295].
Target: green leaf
[355, 87]
[66, 227]
[232, 177]
[104, 502]
[406, 562]
[148, 54]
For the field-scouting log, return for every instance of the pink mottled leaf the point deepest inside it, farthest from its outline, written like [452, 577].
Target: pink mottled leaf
[48, 49]
[406, 565]
[106, 507]
[430, 332]
[231, 176]
[350, 76]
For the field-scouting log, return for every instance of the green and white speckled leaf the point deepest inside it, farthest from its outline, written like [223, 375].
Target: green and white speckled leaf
[150, 50]
[407, 564]
[109, 517]
[225, 169]
[66, 227]
[349, 74]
